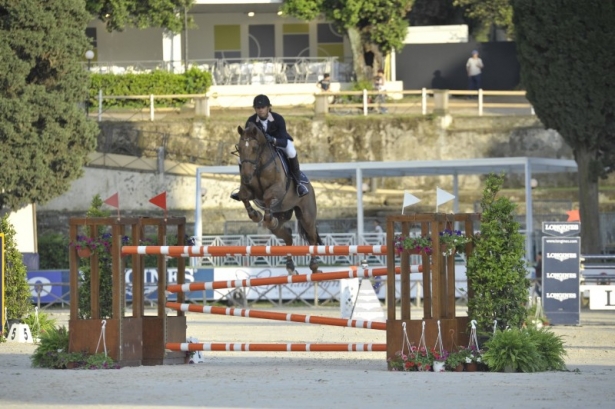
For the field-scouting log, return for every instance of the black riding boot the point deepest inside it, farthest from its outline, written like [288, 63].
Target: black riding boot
[235, 195]
[302, 190]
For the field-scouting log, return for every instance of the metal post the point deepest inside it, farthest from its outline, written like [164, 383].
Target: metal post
[364, 102]
[87, 101]
[424, 101]
[100, 105]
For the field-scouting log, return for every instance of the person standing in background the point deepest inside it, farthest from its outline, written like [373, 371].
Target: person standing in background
[380, 85]
[474, 68]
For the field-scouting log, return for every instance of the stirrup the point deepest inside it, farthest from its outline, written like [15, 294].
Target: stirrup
[235, 196]
[302, 190]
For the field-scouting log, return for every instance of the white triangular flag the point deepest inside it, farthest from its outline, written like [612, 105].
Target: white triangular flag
[443, 196]
[409, 200]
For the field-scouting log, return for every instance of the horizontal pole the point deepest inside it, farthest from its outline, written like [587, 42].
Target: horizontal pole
[284, 347]
[223, 251]
[352, 272]
[278, 316]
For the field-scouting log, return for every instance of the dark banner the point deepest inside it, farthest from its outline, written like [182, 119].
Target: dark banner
[560, 279]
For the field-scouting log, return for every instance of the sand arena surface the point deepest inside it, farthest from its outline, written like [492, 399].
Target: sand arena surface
[312, 380]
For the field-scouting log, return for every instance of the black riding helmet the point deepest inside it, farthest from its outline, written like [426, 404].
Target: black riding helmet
[261, 101]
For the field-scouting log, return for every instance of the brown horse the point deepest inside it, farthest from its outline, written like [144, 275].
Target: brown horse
[264, 182]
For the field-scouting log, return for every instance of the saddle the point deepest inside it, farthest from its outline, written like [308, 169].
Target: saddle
[286, 167]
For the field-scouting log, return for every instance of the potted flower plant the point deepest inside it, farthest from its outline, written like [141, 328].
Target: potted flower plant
[417, 359]
[414, 244]
[439, 359]
[453, 241]
[456, 359]
[84, 245]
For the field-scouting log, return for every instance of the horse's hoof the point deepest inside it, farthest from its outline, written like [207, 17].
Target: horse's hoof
[291, 271]
[256, 217]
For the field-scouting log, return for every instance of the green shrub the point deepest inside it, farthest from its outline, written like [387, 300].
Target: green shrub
[52, 349]
[496, 271]
[17, 294]
[194, 81]
[550, 347]
[513, 349]
[53, 251]
[42, 325]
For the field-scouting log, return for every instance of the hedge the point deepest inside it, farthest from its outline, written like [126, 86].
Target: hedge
[194, 81]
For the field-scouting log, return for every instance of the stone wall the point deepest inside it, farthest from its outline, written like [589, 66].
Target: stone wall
[333, 139]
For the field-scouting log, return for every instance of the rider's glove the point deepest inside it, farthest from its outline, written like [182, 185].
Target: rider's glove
[270, 139]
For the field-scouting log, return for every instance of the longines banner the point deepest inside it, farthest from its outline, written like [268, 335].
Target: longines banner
[561, 229]
[560, 279]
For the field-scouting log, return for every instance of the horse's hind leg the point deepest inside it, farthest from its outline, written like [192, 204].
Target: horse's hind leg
[285, 233]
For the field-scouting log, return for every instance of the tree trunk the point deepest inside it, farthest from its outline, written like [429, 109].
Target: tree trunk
[358, 58]
[589, 209]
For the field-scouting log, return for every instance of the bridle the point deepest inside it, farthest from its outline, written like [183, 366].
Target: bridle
[259, 166]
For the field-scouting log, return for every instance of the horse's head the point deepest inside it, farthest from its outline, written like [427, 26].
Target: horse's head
[251, 146]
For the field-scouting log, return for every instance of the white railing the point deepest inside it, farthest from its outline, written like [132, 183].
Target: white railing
[419, 102]
[329, 239]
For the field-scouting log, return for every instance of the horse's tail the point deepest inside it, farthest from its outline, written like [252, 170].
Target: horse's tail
[305, 236]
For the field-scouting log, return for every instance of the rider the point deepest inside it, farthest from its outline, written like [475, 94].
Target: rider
[274, 127]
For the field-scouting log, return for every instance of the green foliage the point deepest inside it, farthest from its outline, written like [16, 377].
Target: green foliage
[563, 49]
[52, 344]
[515, 349]
[194, 81]
[496, 271]
[42, 325]
[550, 347]
[498, 12]
[53, 251]
[118, 14]
[376, 25]
[45, 136]
[104, 269]
[16, 289]
[52, 352]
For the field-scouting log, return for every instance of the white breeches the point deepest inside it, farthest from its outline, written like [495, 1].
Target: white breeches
[290, 150]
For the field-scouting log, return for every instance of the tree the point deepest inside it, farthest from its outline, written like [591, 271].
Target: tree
[45, 136]
[496, 270]
[564, 49]
[117, 14]
[378, 26]
[498, 12]
[17, 291]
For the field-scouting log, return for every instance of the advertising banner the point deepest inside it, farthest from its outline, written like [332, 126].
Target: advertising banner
[560, 279]
[47, 286]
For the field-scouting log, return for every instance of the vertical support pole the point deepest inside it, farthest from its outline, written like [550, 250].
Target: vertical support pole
[94, 277]
[364, 102]
[359, 181]
[480, 102]
[181, 264]
[405, 276]
[162, 273]
[390, 283]
[73, 262]
[100, 105]
[151, 107]
[137, 274]
[427, 272]
[116, 268]
[529, 214]
[424, 101]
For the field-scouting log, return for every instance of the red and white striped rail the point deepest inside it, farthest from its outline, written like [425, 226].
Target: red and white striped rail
[278, 316]
[351, 272]
[287, 347]
[223, 251]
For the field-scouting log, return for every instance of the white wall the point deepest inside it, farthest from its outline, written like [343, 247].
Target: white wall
[131, 44]
[24, 223]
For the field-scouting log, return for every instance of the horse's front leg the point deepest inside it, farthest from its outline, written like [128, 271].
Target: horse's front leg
[254, 215]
